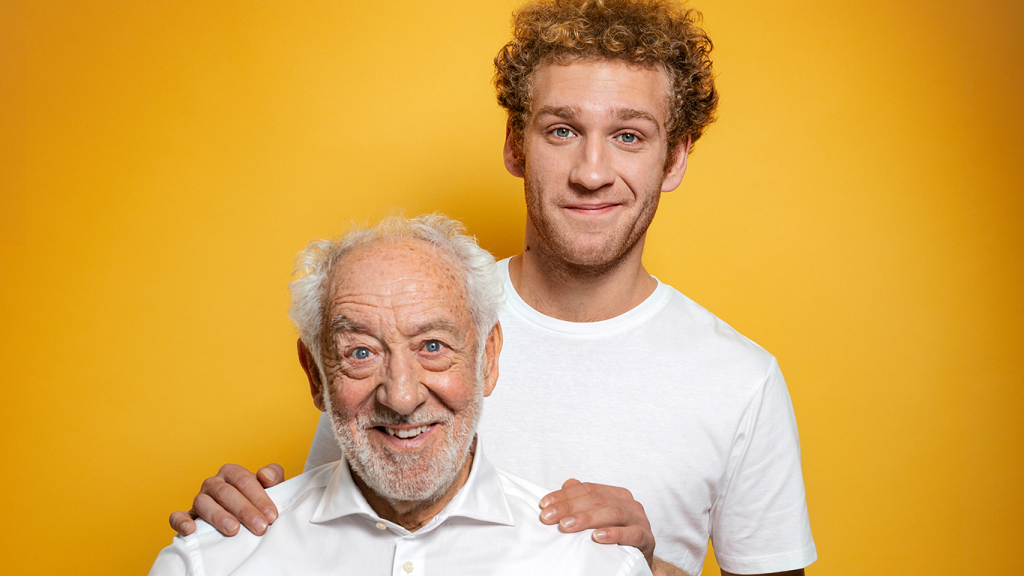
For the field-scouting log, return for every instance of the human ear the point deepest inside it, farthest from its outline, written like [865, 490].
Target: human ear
[512, 164]
[492, 349]
[312, 374]
[674, 174]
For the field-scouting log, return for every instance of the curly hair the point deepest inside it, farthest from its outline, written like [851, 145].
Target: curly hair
[649, 33]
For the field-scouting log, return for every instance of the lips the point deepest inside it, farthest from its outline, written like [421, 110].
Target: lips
[588, 207]
[593, 209]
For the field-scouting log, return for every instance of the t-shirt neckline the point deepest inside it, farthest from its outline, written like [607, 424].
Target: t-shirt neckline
[632, 317]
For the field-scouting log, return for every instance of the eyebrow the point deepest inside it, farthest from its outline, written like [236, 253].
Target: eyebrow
[342, 323]
[621, 114]
[635, 114]
[559, 111]
[435, 325]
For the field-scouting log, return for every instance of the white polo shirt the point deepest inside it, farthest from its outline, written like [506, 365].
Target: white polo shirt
[325, 526]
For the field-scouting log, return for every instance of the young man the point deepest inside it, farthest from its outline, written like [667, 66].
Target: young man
[609, 375]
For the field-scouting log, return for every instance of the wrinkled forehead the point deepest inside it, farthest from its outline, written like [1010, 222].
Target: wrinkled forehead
[398, 273]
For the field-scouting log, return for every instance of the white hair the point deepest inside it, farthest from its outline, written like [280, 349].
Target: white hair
[315, 264]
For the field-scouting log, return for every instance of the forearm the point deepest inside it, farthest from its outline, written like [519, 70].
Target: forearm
[663, 568]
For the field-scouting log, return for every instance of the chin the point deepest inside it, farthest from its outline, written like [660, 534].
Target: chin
[423, 476]
[405, 479]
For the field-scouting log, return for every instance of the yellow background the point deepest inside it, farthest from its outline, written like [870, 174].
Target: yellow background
[857, 211]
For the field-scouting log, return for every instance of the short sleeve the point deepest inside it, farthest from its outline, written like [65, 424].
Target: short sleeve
[759, 522]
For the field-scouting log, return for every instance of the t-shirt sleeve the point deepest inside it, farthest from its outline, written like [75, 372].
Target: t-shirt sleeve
[325, 448]
[759, 521]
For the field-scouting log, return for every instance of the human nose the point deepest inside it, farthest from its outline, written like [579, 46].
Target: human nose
[402, 389]
[593, 168]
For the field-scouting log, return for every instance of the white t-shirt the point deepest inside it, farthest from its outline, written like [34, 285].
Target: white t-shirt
[327, 527]
[665, 400]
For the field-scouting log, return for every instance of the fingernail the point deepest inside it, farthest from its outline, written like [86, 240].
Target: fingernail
[548, 514]
[229, 525]
[183, 527]
[568, 522]
[270, 474]
[259, 525]
[600, 535]
[546, 502]
[270, 514]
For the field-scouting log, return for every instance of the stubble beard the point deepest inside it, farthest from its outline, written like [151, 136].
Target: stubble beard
[404, 478]
[563, 254]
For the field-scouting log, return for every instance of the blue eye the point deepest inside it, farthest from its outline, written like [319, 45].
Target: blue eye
[433, 346]
[361, 353]
[563, 132]
[627, 138]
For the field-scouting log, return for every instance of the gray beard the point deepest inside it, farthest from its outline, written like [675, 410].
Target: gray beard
[402, 477]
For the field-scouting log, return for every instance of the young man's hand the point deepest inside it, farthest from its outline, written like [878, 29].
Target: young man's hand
[611, 511]
[233, 494]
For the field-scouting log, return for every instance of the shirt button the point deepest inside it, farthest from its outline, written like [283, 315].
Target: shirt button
[381, 526]
[408, 567]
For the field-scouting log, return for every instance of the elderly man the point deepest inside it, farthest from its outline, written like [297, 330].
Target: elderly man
[609, 375]
[400, 343]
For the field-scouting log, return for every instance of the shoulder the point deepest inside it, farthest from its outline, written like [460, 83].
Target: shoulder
[574, 553]
[685, 324]
[688, 316]
[208, 551]
[287, 496]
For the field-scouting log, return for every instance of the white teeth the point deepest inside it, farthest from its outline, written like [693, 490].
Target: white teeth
[411, 433]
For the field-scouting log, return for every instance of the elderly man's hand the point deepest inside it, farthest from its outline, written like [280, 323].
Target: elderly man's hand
[616, 517]
[233, 494]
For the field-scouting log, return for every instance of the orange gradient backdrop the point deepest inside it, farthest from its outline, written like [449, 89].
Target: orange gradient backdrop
[856, 210]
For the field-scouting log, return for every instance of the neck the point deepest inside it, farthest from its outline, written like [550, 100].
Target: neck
[413, 515]
[576, 293]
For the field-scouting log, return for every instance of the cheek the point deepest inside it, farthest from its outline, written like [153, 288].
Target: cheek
[645, 181]
[543, 168]
[350, 397]
[455, 389]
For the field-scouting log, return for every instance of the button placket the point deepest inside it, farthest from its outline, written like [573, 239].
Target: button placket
[410, 558]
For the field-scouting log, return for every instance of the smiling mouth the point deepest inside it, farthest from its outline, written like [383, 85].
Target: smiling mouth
[405, 434]
[592, 207]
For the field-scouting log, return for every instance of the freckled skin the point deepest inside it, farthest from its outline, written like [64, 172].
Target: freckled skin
[408, 347]
[396, 287]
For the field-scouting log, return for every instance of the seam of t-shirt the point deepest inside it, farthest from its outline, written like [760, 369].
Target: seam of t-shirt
[804, 556]
[625, 321]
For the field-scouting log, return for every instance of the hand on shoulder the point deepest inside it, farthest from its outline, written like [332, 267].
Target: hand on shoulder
[234, 494]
